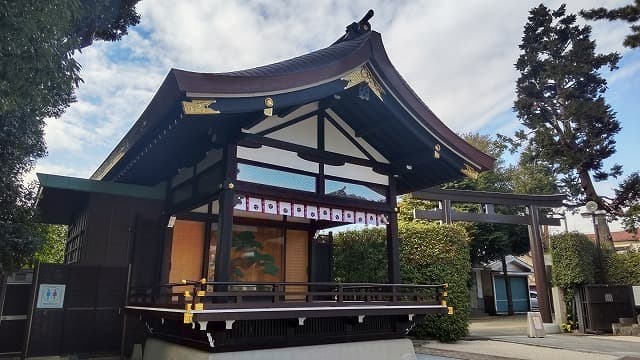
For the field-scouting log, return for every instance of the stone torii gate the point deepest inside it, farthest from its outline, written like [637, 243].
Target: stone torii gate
[532, 219]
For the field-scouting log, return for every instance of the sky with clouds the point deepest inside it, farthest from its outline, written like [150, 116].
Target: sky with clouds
[457, 55]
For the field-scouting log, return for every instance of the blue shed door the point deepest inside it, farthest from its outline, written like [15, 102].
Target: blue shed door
[519, 293]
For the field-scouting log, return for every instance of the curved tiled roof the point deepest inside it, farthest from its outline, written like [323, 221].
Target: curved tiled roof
[359, 46]
[306, 62]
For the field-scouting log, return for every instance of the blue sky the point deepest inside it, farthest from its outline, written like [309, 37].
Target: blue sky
[458, 56]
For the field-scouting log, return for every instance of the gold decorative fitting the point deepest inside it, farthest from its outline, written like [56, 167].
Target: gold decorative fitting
[268, 103]
[231, 185]
[450, 310]
[183, 281]
[469, 171]
[444, 293]
[187, 293]
[443, 303]
[199, 306]
[363, 74]
[187, 307]
[199, 107]
[188, 318]
[201, 293]
[203, 281]
[436, 151]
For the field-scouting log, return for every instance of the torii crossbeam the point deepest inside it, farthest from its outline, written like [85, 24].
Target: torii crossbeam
[488, 199]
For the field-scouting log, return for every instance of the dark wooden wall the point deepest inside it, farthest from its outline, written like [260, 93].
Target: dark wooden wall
[111, 227]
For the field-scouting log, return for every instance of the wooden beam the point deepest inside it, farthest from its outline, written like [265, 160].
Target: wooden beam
[485, 197]
[331, 157]
[289, 122]
[393, 243]
[485, 218]
[348, 136]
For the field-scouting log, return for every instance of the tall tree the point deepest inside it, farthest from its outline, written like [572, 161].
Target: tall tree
[560, 101]
[629, 13]
[38, 78]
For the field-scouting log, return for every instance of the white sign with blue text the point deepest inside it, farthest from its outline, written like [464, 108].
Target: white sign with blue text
[51, 296]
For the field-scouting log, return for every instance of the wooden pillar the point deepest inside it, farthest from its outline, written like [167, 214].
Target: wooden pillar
[207, 245]
[393, 244]
[225, 219]
[535, 241]
[447, 211]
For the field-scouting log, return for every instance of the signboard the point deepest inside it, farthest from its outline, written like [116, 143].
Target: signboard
[636, 295]
[535, 325]
[51, 296]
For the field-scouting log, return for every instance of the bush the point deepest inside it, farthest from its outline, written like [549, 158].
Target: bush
[624, 269]
[573, 261]
[429, 253]
[360, 255]
[435, 253]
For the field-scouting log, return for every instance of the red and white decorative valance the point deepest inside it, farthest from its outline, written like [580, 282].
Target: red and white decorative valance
[314, 212]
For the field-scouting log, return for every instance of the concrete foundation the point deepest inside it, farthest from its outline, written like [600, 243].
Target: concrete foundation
[396, 349]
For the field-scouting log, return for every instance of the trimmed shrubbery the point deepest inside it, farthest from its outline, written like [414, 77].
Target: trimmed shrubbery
[360, 255]
[429, 253]
[435, 253]
[573, 261]
[624, 269]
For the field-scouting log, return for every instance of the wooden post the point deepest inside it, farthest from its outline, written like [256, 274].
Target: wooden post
[225, 218]
[207, 245]
[535, 241]
[447, 211]
[393, 244]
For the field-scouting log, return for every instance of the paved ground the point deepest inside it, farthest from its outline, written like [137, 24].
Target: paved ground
[505, 338]
[490, 326]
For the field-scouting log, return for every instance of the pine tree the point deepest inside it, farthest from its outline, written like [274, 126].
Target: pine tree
[629, 13]
[560, 101]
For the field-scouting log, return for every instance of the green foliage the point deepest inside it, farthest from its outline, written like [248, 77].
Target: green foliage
[573, 261]
[624, 269]
[360, 255]
[627, 195]
[406, 205]
[246, 243]
[560, 101]
[38, 78]
[434, 253]
[629, 13]
[430, 253]
[53, 241]
[491, 242]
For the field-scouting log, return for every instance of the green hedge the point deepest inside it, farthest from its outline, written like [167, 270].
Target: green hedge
[573, 261]
[360, 255]
[435, 253]
[624, 269]
[430, 253]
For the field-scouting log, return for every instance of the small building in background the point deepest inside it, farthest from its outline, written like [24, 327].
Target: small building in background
[488, 289]
[623, 241]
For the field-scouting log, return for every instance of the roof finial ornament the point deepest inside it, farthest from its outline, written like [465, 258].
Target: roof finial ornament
[359, 28]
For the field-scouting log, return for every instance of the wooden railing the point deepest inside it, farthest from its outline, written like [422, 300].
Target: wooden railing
[259, 294]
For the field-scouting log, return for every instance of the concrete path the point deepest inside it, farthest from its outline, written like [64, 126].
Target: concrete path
[489, 349]
[505, 338]
[618, 346]
[489, 326]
